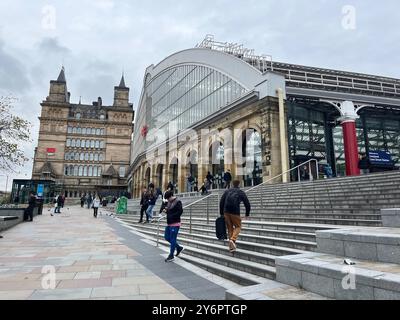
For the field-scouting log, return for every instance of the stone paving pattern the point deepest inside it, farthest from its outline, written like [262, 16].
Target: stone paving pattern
[90, 260]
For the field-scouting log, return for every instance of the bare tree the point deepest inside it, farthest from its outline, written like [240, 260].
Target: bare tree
[13, 131]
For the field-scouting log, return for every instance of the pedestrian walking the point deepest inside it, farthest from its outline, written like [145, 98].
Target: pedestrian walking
[58, 204]
[174, 211]
[227, 179]
[96, 205]
[364, 164]
[82, 201]
[151, 200]
[144, 204]
[230, 209]
[189, 182]
[28, 212]
[89, 201]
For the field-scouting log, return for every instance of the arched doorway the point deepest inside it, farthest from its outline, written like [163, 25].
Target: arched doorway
[159, 173]
[193, 165]
[252, 153]
[173, 171]
[216, 159]
[147, 177]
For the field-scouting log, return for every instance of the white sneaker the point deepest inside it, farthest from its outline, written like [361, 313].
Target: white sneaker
[232, 246]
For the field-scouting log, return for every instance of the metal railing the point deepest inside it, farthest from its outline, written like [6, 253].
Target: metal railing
[159, 218]
[206, 198]
[287, 172]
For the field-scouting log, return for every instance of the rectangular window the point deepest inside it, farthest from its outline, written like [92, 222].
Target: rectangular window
[121, 172]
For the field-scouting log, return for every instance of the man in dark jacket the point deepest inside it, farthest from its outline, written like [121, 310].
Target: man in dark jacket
[143, 204]
[227, 179]
[174, 211]
[364, 164]
[31, 206]
[229, 207]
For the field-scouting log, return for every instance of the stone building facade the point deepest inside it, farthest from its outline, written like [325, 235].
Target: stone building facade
[84, 148]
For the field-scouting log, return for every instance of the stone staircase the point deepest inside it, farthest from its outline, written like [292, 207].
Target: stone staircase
[284, 221]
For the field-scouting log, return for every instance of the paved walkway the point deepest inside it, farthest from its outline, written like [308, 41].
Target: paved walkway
[90, 259]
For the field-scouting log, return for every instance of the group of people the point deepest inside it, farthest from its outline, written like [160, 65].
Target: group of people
[229, 208]
[148, 201]
[92, 202]
[209, 180]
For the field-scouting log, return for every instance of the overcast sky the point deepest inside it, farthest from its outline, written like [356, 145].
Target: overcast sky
[96, 40]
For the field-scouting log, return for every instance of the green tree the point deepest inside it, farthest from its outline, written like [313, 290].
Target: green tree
[13, 131]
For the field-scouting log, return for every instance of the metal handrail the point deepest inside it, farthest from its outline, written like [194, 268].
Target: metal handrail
[288, 171]
[189, 206]
[160, 217]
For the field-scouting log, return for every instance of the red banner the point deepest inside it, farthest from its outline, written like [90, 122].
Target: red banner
[51, 151]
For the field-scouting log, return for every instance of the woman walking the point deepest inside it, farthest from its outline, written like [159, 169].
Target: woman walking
[96, 205]
[174, 211]
[152, 199]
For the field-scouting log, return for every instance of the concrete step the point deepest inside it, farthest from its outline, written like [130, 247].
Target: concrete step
[263, 232]
[228, 260]
[324, 274]
[270, 247]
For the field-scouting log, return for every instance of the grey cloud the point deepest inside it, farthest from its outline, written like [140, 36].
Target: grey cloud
[13, 73]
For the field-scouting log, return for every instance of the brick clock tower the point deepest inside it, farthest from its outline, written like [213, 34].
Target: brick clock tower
[84, 148]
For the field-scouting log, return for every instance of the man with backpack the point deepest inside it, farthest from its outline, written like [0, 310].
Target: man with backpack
[230, 209]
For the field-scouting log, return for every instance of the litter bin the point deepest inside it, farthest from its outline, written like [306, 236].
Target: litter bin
[122, 205]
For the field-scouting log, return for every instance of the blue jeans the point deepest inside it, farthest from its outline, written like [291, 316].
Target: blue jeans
[149, 212]
[171, 233]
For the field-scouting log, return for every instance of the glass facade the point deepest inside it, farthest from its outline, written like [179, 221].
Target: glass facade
[184, 95]
[314, 132]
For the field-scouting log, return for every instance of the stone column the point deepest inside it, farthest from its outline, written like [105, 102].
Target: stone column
[348, 122]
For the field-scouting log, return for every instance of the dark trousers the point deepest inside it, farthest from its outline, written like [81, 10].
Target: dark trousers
[28, 214]
[142, 211]
[171, 233]
[95, 211]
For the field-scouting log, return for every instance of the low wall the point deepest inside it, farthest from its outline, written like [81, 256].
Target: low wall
[13, 212]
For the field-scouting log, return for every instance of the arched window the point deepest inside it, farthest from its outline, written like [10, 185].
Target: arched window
[69, 130]
[85, 171]
[96, 157]
[92, 143]
[97, 144]
[94, 171]
[87, 143]
[80, 171]
[68, 142]
[102, 117]
[102, 132]
[78, 143]
[93, 131]
[78, 115]
[87, 156]
[101, 157]
[79, 130]
[101, 144]
[75, 171]
[74, 130]
[76, 156]
[82, 143]
[73, 143]
[84, 131]
[71, 170]
[99, 172]
[66, 170]
[90, 171]
[82, 156]
[91, 156]
[66, 157]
